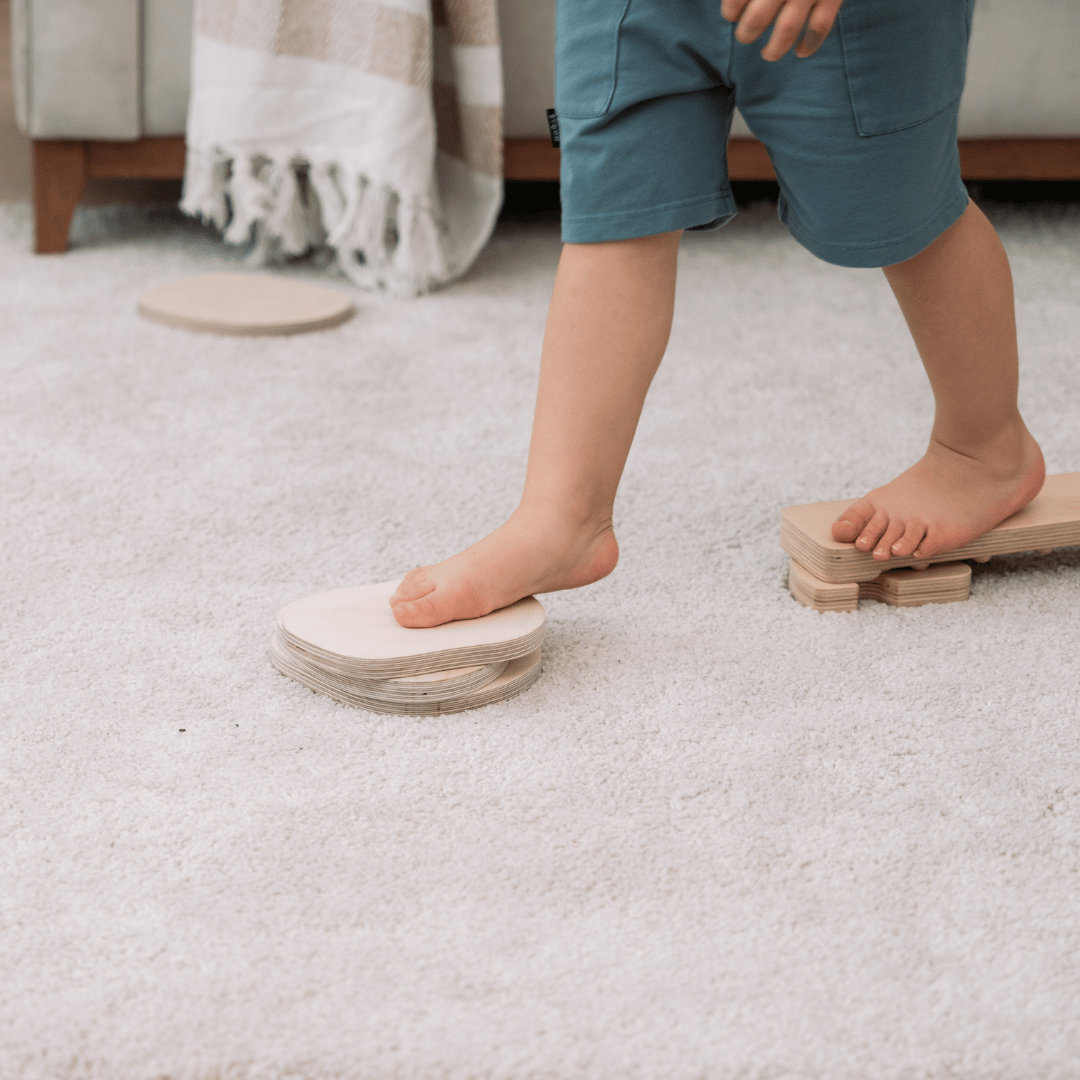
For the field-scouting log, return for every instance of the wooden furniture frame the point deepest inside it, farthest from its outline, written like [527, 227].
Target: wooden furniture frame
[62, 167]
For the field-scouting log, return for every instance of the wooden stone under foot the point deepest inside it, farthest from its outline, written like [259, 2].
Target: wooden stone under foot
[346, 644]
[1051, 520]
[432, 694]
[941, 584]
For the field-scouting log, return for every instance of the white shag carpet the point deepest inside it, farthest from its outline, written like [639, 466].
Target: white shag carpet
[722, 838]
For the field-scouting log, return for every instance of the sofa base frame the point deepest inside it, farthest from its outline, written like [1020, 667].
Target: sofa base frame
[62, 167]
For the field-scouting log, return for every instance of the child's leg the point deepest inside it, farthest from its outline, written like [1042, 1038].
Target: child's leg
[982, 463]
[607, 330]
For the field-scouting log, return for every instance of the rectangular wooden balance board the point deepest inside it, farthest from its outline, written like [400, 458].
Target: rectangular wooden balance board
[1050, 520]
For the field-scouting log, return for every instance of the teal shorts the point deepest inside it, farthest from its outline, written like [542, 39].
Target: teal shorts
[862, 134]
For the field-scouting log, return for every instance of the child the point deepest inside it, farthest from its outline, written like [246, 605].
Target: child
[860, 122]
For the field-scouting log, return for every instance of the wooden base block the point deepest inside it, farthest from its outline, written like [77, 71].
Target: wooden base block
[941, 584]
[431, 686]
[510, 678]
[246, 304]
[820, 595]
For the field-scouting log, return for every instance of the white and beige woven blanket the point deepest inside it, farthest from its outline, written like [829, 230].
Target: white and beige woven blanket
[374, 127]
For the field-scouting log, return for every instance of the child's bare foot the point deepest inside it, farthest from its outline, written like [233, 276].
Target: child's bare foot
[945, 500]
[530, 553]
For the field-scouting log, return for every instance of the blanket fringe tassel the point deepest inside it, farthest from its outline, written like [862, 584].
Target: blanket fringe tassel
[384, 239]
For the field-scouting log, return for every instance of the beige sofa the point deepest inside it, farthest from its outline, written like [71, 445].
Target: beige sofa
[102, 85]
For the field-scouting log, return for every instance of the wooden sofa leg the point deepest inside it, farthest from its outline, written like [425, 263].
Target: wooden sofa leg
[60, 170]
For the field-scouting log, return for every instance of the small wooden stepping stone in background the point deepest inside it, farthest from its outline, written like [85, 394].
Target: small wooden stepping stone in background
[246, 304]
[346, 644]
[830, 576]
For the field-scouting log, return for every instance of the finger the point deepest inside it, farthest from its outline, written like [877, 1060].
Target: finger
[732, 9]
[810, 42]
[789, 25]
[756, 18]
[818, 27]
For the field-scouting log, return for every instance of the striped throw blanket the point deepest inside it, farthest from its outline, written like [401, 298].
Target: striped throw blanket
[373, 126]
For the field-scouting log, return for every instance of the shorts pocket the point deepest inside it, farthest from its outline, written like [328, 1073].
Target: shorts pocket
[586, 55]
[904, 59]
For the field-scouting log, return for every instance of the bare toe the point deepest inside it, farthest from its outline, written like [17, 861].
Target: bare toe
[873, 531]
[884, 549]
[413, 602]
[852, 521]
[416, 614]
[931, 544]
[911, 539]
[413, 586]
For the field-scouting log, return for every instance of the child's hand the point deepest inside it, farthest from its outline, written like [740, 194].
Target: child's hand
[791, 16]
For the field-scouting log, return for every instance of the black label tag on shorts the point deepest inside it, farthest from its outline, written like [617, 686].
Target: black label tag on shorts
[553, 127]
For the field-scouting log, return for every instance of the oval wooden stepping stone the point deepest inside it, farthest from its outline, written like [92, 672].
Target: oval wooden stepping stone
[346, 644]
[251, 304]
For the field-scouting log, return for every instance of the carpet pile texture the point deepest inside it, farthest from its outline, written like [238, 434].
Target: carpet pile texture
[722, 838]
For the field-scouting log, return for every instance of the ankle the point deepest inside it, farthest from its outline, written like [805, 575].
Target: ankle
[1002, 443]
[569, 518]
